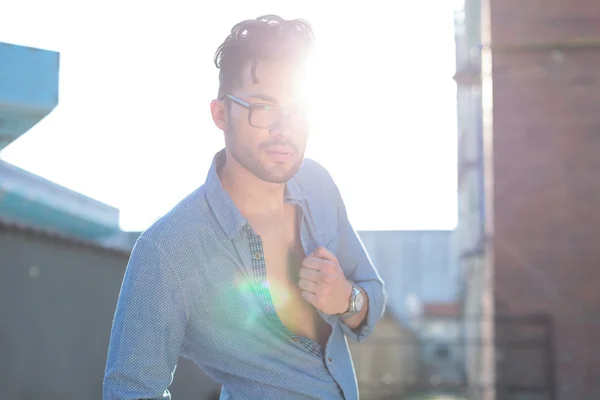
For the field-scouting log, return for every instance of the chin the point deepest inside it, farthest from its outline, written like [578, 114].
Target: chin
[278, 173]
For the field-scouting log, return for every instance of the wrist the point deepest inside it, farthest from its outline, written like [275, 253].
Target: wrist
[347, 294]
[356, 302]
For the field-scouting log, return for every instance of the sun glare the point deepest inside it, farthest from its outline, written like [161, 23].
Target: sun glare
[380, 103]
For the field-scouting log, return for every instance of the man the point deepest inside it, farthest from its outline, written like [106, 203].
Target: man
[257, 276]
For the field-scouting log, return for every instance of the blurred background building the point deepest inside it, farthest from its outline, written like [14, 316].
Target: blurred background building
[529, 192]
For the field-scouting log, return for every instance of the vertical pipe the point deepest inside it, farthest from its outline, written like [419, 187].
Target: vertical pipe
[489, 363]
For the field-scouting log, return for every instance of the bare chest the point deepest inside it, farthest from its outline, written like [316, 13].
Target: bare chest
[284, 254]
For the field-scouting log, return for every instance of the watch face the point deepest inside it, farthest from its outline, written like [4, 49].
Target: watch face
[359, 302]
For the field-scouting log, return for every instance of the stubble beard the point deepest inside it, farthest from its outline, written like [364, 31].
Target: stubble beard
[248, 159]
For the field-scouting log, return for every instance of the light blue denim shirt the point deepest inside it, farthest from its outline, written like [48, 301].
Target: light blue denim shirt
[195, 286]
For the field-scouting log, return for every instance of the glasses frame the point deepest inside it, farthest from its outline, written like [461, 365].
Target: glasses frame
[283, 113]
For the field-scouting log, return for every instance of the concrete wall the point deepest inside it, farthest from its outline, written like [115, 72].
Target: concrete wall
[546, 175]
[57, 303]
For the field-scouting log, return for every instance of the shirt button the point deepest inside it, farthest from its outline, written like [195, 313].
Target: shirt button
[329, 360]
[257, 256]
[295, 339]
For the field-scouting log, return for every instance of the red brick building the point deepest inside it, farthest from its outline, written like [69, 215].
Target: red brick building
[540, 194]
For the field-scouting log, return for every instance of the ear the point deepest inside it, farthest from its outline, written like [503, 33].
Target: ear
[218, 110]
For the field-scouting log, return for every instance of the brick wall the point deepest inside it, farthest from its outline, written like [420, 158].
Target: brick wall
[547, 176]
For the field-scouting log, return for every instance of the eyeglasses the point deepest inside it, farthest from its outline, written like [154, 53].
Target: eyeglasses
[268, 116]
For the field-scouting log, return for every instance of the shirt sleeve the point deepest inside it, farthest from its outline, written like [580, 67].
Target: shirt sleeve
[359, 269]
[148, 328]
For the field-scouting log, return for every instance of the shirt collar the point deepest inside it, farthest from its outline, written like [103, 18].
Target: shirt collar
[223, 207]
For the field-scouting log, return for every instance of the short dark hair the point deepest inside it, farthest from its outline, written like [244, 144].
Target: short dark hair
[269, 37]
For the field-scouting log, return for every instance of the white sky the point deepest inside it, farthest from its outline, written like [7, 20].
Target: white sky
[133, 128]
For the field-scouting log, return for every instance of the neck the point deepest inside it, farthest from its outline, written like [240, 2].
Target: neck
[251, 195]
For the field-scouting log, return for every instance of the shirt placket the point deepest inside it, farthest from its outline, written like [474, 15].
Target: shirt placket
[259, 273]
[308, 237]
[309, 245]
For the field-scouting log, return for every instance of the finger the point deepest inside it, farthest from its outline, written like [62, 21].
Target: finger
[308, 286]
[316, 263]
[309, 297]
[325, 254]
[310, 274]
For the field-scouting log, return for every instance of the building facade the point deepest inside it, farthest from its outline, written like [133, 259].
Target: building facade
[535, 279]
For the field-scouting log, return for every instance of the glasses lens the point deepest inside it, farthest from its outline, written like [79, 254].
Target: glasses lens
[264, 116]
[267, 116]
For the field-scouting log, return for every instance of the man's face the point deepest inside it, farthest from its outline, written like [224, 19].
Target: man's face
[272, 149]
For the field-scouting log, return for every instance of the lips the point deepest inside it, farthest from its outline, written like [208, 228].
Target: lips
[283, 150]
[279, 153]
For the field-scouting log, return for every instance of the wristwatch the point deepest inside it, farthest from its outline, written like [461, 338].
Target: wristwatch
[357, 301]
